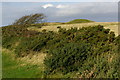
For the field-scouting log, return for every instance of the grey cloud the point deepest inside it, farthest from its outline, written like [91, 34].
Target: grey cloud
[95, 11]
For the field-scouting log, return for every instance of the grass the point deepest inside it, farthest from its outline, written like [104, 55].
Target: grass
[16, 68]
[19, 69]
[79, 21]
[113, 26]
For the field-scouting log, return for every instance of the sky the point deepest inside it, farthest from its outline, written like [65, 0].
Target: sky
[61, 11]
[59, 0]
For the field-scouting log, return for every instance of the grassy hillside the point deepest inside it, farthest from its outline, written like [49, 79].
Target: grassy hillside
[79, 21]
[18, 68]
[84, 50]
[113, 26]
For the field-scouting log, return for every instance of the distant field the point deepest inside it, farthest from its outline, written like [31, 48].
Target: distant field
[113, 26]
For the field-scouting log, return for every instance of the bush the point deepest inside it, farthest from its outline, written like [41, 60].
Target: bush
[74, 50]
[68, 58]
[59, 27]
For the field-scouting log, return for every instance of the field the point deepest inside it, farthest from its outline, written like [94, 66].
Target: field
[113, 26]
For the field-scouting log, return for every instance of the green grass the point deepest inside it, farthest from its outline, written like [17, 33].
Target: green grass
[79, 21]
[18, 69]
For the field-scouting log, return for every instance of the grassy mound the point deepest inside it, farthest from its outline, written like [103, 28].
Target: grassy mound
[79, 21]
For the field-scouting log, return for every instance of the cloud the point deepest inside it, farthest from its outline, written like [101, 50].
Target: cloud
[101, 12]
[87, 9]
[53, 6]
[61, 6]
[47, 5]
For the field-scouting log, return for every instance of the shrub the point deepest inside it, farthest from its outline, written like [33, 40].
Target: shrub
[59, 27]
[68, 58]
[44, 30]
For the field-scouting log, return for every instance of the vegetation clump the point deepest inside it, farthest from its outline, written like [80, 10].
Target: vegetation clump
[83, 49]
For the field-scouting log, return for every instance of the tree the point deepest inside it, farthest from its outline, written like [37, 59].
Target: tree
[30, 19]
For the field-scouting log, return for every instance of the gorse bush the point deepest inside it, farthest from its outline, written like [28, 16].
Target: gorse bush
[68, 58]
[14, 34]
[77, 49]
[34, 43]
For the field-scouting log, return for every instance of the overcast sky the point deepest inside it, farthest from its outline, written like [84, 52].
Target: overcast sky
[59, 0]
[61, 11]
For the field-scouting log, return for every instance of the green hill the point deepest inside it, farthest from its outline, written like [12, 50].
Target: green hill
[79, 21]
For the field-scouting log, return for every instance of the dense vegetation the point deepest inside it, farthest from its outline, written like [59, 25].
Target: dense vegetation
[79, 21]
[90, 52]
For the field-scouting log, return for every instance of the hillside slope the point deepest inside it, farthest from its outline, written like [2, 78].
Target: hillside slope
[85, 50]
[113, 26]
[79, 21]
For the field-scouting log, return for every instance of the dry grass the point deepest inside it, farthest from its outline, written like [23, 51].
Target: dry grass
[37, 58]
[113, 26]
[87, 74]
